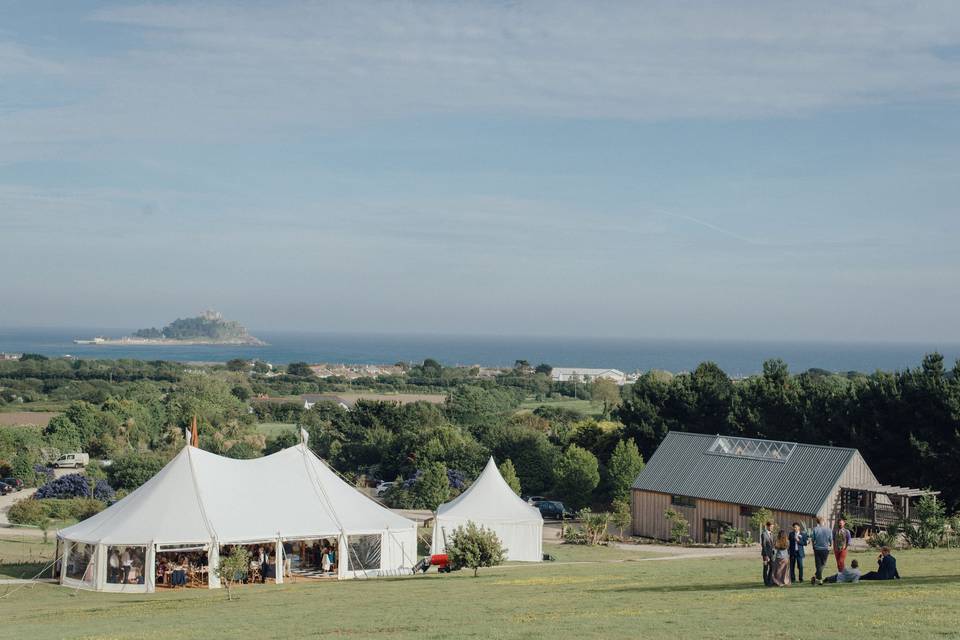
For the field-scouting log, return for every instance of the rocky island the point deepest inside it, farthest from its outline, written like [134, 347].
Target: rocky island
[207, 328]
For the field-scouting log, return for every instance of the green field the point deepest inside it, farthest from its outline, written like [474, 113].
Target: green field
[586, 407]
[599, 592]
[271, 429]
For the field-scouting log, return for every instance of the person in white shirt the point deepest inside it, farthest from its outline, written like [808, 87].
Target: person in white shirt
[126, 560]
[114, 563]
[849, 574]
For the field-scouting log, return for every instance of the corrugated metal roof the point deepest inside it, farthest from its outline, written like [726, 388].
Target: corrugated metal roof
[682, 465]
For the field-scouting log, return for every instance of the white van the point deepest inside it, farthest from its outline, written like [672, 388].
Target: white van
[72, 460]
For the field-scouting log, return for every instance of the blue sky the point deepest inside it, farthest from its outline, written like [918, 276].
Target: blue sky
[653, 169]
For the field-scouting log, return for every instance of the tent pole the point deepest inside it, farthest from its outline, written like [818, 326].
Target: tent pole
[278, 561]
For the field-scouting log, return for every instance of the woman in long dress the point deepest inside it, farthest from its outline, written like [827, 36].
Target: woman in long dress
[781, 561]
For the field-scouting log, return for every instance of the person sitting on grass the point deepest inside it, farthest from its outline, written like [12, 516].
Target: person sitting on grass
[849, 574]
[886, 567]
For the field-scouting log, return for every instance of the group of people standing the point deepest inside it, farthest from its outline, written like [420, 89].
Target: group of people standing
[124, 567]
[783, 555]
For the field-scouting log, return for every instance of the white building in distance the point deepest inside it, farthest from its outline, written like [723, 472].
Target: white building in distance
[577, 374]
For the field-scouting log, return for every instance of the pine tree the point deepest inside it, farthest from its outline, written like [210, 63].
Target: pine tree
[509, 474]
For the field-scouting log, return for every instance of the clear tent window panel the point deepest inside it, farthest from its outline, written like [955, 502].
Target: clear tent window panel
[772, 450]
[81, 563]
[364, 552]
[126, 565]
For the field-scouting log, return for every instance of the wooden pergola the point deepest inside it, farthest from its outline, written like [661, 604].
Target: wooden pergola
[880, 505]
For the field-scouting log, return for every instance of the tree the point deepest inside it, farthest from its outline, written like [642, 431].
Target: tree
[679, 526]
[621, 516]
[544, 369]
[130, 471]
[283, 440]
[533, 455]
[431, 368]
[300, 370]
[759, 519]
[578, 474]
[473, 547]
[625, 465]
[510, 475]
[242, 451]
[237, 364]
[433, 487]
[233, 566]
[607, 392]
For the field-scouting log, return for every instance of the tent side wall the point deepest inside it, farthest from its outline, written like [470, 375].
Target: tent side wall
[523, 540]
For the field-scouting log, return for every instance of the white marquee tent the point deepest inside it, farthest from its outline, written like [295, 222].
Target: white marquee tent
[491, 503]
[200, 501]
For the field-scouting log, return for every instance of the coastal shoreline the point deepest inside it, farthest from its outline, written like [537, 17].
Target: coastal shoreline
[166, 342]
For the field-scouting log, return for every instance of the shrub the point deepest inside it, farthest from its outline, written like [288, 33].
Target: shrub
[104, 492]
[888, 538]
[474, 547]
[679, 527]
[69, 486]
[72, 508]
[929, 527]
[130, 471]
[28, 511]
[621, 516]
[732, 535]
[594, 525]
[42, 474]
[34, 512]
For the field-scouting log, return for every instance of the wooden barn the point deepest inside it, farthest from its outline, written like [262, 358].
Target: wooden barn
[718, 482]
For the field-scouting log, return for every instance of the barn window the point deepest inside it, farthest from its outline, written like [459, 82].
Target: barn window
[683, 501]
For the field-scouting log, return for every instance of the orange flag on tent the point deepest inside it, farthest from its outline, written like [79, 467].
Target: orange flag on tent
[194, 439]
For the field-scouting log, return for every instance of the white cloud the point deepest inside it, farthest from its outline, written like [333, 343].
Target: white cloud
[223, 71]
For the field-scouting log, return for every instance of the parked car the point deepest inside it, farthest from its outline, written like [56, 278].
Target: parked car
[16, 483]
[5, 489]
[553, 510]
[535, 499]
[72, 460]
[383, 487]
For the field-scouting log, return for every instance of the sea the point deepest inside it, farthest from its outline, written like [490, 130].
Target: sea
[736, 358]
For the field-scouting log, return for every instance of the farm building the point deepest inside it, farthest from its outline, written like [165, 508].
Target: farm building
[574, 374]
[718, 482]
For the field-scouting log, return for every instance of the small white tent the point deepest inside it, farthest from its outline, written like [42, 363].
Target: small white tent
[491, 503]
[200, 501]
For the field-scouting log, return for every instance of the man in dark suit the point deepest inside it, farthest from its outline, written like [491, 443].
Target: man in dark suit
[886, 567]
[798, 549]
[767, 552]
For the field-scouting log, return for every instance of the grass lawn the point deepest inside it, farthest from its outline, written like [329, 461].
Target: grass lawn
[24, 557]
[586, 407]
[599, 592]
[271, 429]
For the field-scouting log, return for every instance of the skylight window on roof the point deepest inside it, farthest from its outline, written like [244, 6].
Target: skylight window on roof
[750, 448]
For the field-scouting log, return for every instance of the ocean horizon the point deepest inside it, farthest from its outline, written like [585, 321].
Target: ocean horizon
[736, 357]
